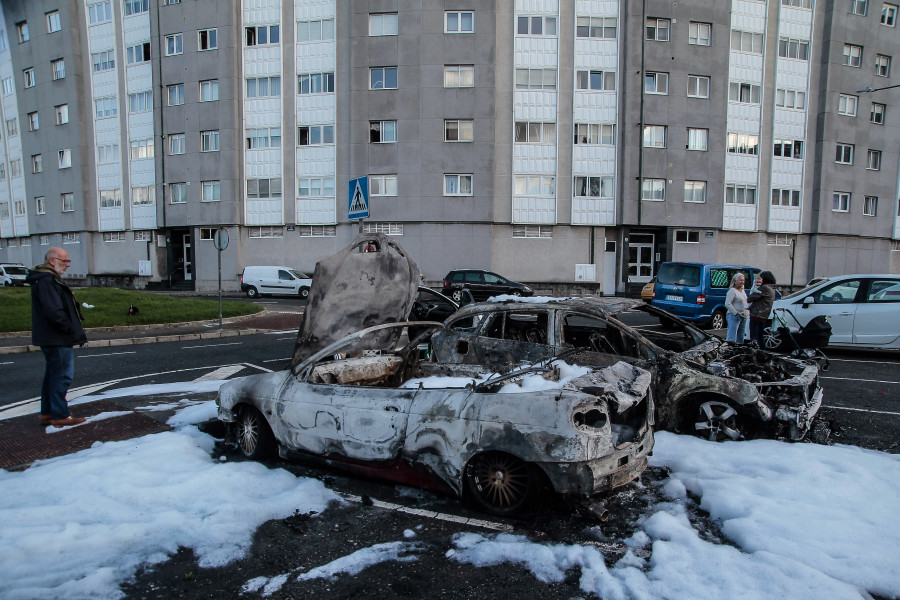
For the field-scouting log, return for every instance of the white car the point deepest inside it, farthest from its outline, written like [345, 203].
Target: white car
[863, 310]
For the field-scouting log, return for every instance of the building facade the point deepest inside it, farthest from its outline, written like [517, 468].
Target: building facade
[574, 145]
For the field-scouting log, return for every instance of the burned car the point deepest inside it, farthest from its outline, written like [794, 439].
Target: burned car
[493, 439]
[703, 385]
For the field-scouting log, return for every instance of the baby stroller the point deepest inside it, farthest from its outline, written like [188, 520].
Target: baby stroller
[786, 334]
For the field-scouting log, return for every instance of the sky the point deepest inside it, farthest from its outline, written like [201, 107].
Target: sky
[801, 520]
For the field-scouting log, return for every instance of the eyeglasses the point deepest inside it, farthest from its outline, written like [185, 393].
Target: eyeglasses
[65, 261]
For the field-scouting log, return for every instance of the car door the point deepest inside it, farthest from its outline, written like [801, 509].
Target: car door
[514, 336]
[838, 302]
[494, 285]
[474, 282]
[877, 321]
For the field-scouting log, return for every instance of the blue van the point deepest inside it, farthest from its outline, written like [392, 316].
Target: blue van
[696, 291]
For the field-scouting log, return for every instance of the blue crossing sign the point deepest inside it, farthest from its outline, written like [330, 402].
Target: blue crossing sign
[358, 198]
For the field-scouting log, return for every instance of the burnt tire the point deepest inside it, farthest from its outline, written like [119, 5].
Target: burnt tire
[715, 420]
[500, 484]
[252, 292]
[303, 292]
[717, 321]
[254, 436]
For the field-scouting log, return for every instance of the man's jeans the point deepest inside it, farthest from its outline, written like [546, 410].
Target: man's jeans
[736, 326]
[58, 376]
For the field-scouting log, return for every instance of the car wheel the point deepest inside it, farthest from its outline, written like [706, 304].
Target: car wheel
[718, 320]
[772, 339]
[716, 421]
[252, 292]
[456, 296]
[254, 436]
[499, 483]
[517, 293]
[303, 292]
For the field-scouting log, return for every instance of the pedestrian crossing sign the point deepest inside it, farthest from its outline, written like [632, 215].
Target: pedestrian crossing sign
[358, 198]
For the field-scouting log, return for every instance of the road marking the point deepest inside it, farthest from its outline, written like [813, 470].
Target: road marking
[252, 366]
[868, 410]
[871, 362]
[6, 363]
[430, 514]
[864, 380]
[212, 345]
[276, 359]
[221, 373]
[283, 339]
[282, 332]
[107, 354]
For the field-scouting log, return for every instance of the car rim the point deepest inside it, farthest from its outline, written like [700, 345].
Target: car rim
[500, 480]
[248, 434]
[717, 421]
[457, 296]
[718, 321]
[771, 339]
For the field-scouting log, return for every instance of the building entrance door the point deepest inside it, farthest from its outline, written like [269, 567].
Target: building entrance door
[640, 257]
[186, 256]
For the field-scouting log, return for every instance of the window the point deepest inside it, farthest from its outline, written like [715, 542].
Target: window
[698, 139]
[536, 79]
[62, 114]
[177, 144]
[143, 235]
[459, 22]
[206, 40]
[34, 121]
[699, 34]
[788, 148]
[383, 24]
[315, 83]
[741, 143]
[658, 29]
[844, 154]
[684, 236]
[70, 238]
[535, 25]
[261, 34]
[654, 136]
[58, 68]
[133, 7]
[383, 78]
[110, 198]
[211, 191]
[100, 13]
[595, 80]
[656, 83]
[68, 202]
[140, 102]
[143, 196]
[29, 77]
[207, 233]
[265, 188]
[847, 105]
[797, 3]
[53, 22]
[209, 90]
[15, 168]
[383, 185]
[841, 202]
[315, 186]
[532, 231]
[852, 55]
[870, 206]
[12, 127]
[597, 187]
[2, 171]
[859, 7]
[889, 14]
[873, 160]
[745, 93]
[782, 197]
[20, 207]
[596, 27]
[385, 228]
[381, 132]
[8, 86]
[314, 31]
[22, 32]
[793, 48]
[457, 185]
[595, 133]
[740, 194]
[103, 61]
[459, 130]
[174, 44]
[107, 154]
[746, 41]
[457, 76]
[653, 190]
[266, 232]
[177, 193]
[267, 137]
[142, 148]
[65, 158]
[698, 86]
[261, 87]
[882, 65]
[877, 114]
[39, 205]
[535, 133]
[176, 94]
[695, 191]
[37, 163]
[534, 185]
[794, 99]
[315, 135]
[137, 54]
[209, 141]
[113, 236]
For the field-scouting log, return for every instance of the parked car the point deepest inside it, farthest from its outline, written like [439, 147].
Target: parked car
[863, 310]
[696, 292]
[647, 291]
[13, 274]
[482, 285]
[702, 385]
[259, 280]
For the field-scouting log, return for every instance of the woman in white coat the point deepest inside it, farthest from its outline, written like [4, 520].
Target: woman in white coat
[736, 305]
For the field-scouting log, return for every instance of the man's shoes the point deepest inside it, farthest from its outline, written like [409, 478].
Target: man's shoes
[68, 421]
[46, 419]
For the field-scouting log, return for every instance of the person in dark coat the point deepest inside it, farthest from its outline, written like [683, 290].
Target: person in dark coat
[56, 328]
[760, 306]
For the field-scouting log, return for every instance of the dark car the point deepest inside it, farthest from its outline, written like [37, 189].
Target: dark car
[482, 284]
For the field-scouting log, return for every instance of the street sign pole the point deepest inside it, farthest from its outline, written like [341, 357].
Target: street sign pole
[220, 239]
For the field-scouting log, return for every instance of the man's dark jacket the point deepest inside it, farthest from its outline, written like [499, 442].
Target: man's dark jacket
[55, 316]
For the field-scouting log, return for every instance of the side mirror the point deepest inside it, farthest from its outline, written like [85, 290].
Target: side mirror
[808, 300]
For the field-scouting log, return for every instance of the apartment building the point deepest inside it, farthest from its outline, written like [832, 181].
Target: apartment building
[570, 144]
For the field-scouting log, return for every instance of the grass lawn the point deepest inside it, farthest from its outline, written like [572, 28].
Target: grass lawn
[110, 307]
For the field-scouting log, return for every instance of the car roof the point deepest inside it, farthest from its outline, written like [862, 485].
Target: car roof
[702, 264]
[608, 305]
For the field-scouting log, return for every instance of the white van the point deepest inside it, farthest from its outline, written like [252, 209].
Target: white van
[13, 274]
[256, 281]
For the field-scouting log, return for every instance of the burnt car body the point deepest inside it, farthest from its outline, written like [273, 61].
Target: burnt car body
[382, 411]
[702, 385]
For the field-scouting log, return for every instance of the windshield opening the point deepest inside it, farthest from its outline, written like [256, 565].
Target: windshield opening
[675, 274]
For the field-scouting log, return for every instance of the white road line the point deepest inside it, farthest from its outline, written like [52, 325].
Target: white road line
[221, 373]
[430, 514]
[276, 359]
[864, 380]
[868, 410]
[106, 354]
[6, 363]
[871, 362]
[282, 332]
[212, 345]
[282, 339]
[252, 366]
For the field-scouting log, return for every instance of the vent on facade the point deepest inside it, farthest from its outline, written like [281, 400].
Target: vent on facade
[779, 239]
[532, 231]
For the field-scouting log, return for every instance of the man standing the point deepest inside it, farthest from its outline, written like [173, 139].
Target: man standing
[56, 328]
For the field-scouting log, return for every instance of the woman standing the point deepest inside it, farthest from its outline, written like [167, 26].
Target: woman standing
[736, 305]
[761, 305]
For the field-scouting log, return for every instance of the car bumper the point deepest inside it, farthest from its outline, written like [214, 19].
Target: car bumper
[799, 418]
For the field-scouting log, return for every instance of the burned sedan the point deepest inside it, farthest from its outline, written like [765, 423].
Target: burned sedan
[702, 385]
[493, 439]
